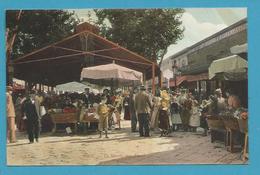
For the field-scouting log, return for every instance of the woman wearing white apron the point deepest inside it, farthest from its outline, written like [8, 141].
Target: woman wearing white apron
[195, 116]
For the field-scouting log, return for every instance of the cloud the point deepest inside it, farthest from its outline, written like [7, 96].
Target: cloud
[195, 31]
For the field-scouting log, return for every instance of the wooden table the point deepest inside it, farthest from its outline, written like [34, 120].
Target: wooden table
[65, 118]
[217, 127]
[232, 127]
[87, 119]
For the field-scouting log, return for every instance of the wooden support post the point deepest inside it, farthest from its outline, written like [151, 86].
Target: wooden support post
[153, 79]
[161, 80]
[245, 149]
[144, 78]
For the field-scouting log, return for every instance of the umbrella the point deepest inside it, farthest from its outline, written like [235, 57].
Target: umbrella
[105, 74]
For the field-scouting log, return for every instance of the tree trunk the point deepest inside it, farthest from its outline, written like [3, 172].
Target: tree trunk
[9, 46]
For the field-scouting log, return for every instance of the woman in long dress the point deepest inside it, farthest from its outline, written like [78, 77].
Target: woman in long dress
[126, 107]
[118, 108]
[164, 123]
[186, 113]
[195, 116]
[175, 114]
[155, 112]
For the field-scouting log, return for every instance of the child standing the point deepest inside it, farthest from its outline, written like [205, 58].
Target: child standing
[103, 112]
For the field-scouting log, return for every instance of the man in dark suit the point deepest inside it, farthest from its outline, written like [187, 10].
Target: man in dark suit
[33, 119]
[86, 97]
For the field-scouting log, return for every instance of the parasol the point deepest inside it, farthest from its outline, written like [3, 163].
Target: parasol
[105, 74]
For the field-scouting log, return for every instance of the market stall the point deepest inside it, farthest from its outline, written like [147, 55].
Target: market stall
[233, 118]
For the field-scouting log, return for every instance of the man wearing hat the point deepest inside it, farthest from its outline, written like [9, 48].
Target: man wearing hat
[142, 105]
[33, 118]
[221, 104]
[10, 116]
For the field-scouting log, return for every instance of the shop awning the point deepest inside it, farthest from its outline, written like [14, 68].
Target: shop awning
[233, 68]
[189, 78]
[239, 49]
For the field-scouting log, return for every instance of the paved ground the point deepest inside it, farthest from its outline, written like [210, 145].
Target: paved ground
[122, 147]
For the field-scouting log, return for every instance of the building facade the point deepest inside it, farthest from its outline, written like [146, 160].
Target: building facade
[193, 62]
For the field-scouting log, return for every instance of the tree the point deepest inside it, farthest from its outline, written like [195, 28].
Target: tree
[27, 30]
[38, 28]
[147, 32]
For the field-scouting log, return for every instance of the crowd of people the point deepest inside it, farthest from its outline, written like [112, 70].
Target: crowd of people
[166, 111]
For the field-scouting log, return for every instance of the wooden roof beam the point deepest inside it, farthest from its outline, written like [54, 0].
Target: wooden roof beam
[81, 51]
[80, 54]
[110, 42]
[51, 45]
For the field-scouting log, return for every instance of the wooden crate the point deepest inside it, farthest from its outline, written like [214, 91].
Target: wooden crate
[231, 123]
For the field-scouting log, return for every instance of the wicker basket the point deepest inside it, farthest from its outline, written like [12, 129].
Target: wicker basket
[215, 123]
[231, 123]
[243, 125]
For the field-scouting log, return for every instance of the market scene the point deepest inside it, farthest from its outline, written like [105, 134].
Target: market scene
[106, 90]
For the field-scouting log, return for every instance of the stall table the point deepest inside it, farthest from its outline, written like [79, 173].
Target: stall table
[232, 127]
[65, 118]
[87, 119]
[217, 127]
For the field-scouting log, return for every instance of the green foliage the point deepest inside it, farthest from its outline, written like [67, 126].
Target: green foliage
[147, 32]
[38, 28]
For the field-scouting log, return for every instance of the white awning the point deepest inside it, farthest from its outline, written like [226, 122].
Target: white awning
[239, 49]
[72, 87]
[232, 65]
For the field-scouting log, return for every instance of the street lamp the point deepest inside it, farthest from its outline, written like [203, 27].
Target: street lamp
[175, 72]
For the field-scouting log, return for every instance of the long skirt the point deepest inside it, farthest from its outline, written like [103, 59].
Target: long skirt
[185, 117]
[164, 123]
[176, 119]
[154, 118]
[195, 120]
[127, 113]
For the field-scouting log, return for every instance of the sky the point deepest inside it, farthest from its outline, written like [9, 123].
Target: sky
[199, 24]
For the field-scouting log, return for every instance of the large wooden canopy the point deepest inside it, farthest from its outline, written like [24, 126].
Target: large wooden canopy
[63, 61]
